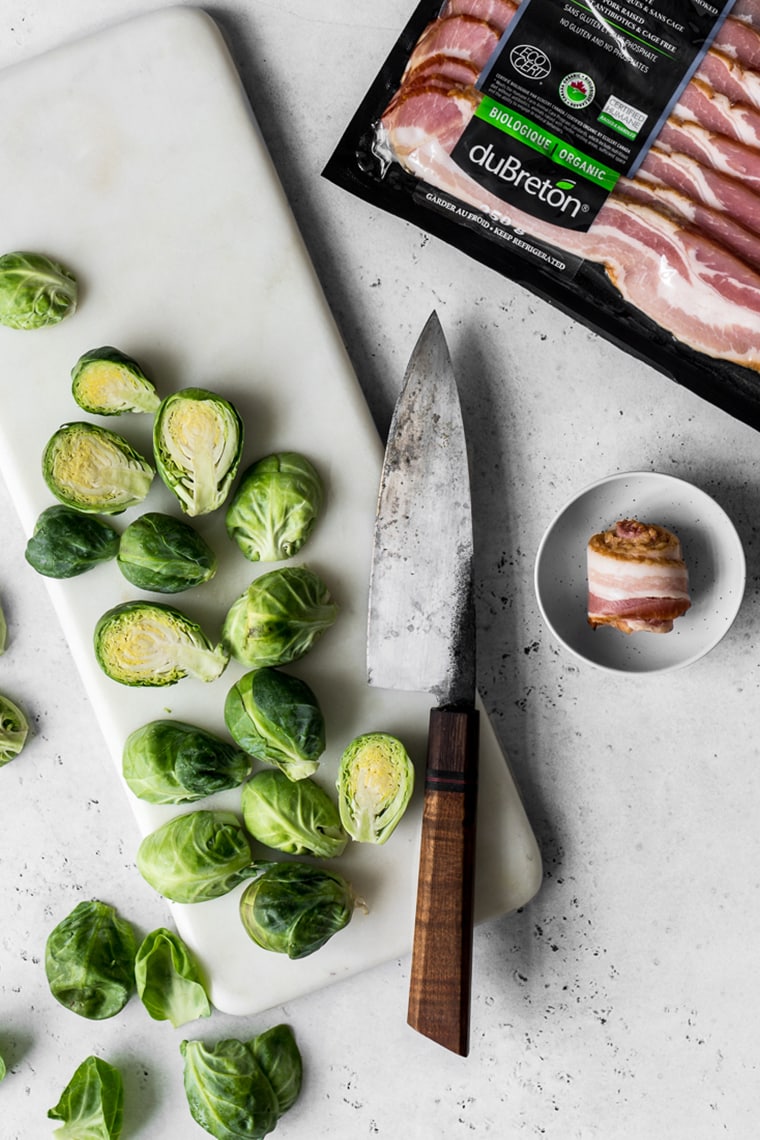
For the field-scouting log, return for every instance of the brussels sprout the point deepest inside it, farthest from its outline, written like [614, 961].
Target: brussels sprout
[94, 470]
[3, 1069]
[294, 908]
[171, 762]
[107, 382]
[375, 783]
[279, 617]
[297, 818]
[66, 543]
[14, 730]
[92, 1104]
[277, 719]
[169, 982]
[149, 643]
[197, 443]
[3, 630]
[35, 291]
[239, 1089]
[275, 507]
[89, 961]
[195, 857]
[164, 554]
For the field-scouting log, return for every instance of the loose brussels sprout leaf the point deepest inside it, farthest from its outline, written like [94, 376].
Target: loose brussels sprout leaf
[375, 783]
[107, 382]
[66, 543]
[169, 982]
[89, 961]
[277, 719]
[279, 617]
[172, 762]
[35, 291]
[197, 443]
[277, 1052]
[3, 630]
[275, 507]
[195, 857]
[92, 1104]
[294, 908]
[3, 1069]
[228, 1093]
[297, 818]
[164, 554]
[148, 643]
[14, 730]
[94, 470]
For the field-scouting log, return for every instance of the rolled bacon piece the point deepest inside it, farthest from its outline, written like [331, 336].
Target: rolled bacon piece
[637, 578]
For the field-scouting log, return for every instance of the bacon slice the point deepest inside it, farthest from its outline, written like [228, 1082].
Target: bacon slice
[747, 11]
[723, 74]
[463, 37]
[704, 185]
[496, 12]
[637, 578]
[699, 103]
[726, 155]
[740, 40]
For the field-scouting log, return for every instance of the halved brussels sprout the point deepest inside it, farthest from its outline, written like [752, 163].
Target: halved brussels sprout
[172, 762]
[275, 507]
[279, 617]
[66, 543]
[14, 730]
[148, 643]
[35, 291]
[197, 443]
[196, 857]
[107, 382]
[94, 470]
[294, 908]
[166, 555]
[298, 818]
[375, 783]
[277, 718]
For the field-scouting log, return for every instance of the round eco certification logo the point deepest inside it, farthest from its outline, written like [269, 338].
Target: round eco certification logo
[577, 90]
[529, 61]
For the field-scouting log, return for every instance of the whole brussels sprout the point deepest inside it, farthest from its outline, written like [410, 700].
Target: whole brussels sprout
[35, 291]
[298, 818]
[196, 857]
[294, 908]
[149, 643]
[275, 507]
[66, 543]
[276, 718]
[166, 555]
[279, 617]
[107, 382]
[94, 470]
[197, 443]
[375, 783]
[90, 960]
[172, 762]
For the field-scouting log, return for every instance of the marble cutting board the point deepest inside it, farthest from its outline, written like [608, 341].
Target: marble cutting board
[134, 157]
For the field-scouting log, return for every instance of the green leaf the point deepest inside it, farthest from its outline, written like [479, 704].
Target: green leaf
[169, 981]
[92, 1104]
[89, 961]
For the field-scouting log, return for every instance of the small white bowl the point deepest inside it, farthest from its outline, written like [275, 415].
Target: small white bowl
[712, 551]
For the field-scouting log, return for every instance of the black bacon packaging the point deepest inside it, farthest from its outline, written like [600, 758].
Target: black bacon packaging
[604, 155]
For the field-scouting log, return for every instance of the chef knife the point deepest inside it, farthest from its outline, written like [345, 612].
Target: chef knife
[421, 637]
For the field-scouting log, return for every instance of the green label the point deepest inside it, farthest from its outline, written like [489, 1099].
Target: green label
[537, 138]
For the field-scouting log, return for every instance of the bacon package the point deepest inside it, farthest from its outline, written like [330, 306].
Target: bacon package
[637, 578]
[606, 156]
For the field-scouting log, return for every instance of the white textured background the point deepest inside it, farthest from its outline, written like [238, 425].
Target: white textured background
[622, 1003]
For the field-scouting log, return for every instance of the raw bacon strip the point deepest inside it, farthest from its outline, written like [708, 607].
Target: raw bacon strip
[714, 150]
[443, 68]
[464, 37]
[701, 105]
[704, 185]
[741, 41]
[748, 11]
[718, 226]
[737, 83]
[496, 12]
[702, 294]
[447, 113]
[637, 578]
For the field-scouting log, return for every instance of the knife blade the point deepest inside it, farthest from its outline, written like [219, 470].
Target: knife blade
[421, 637]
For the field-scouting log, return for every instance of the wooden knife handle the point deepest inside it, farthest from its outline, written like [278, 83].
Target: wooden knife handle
[439, 989]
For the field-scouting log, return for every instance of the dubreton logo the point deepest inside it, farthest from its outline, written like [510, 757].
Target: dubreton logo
[508, 169]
